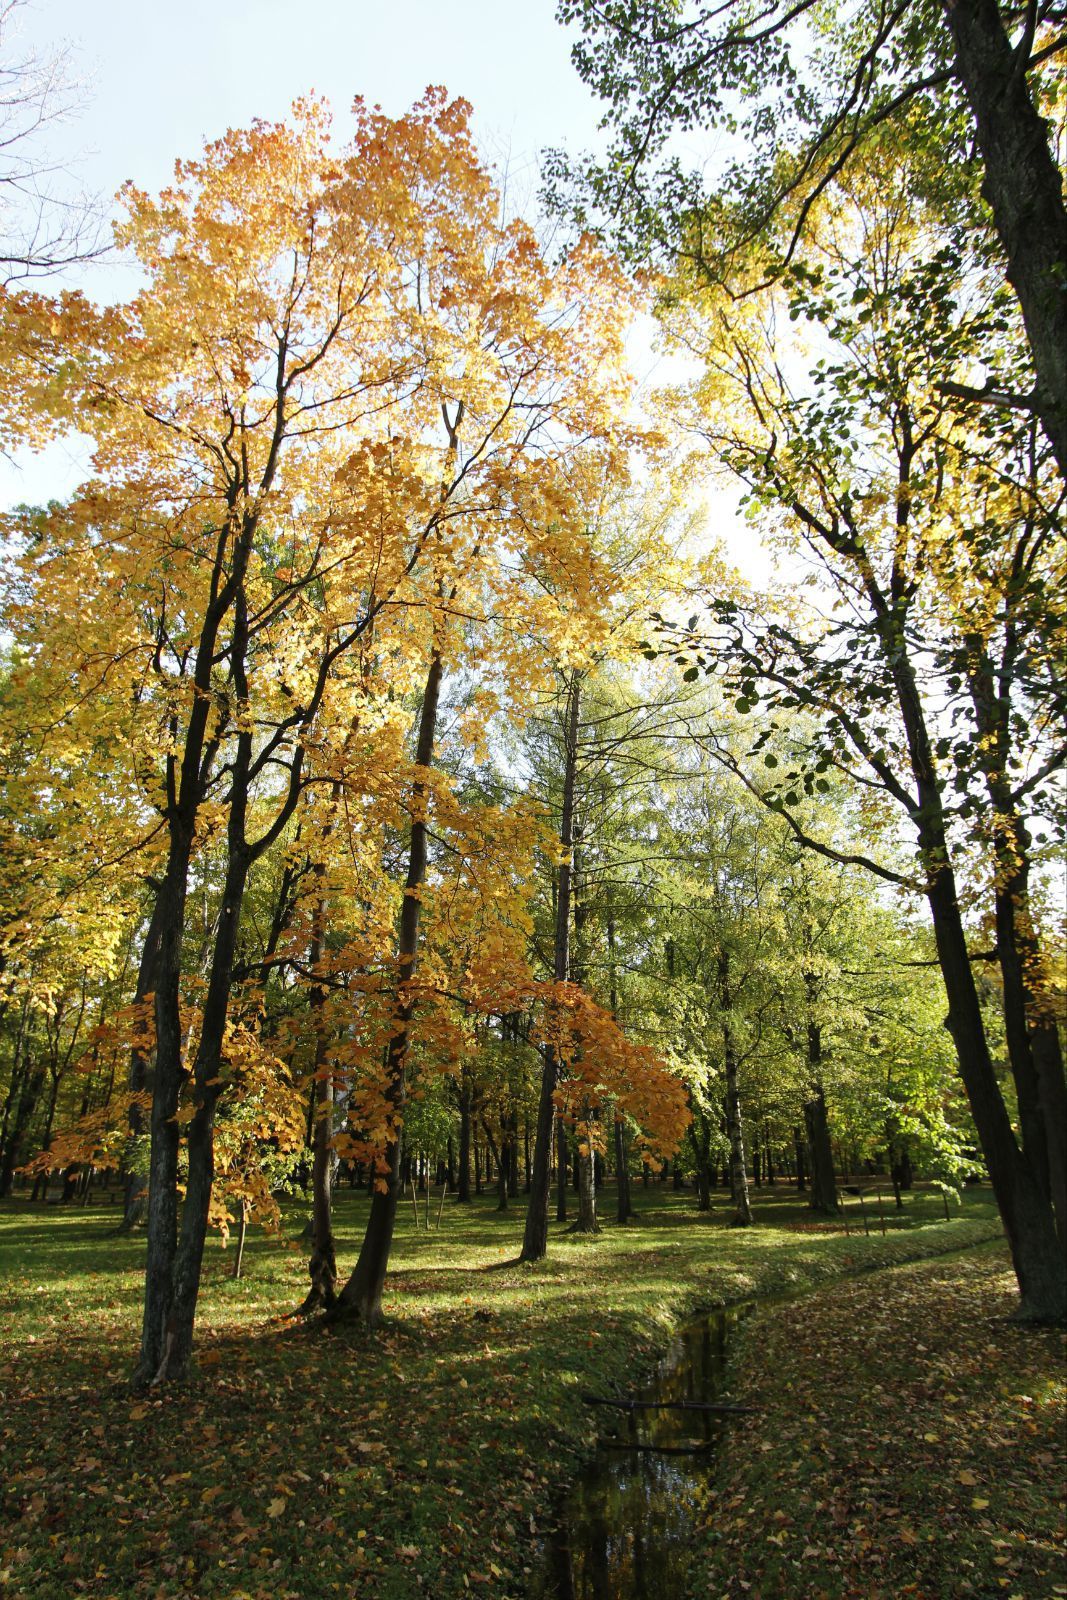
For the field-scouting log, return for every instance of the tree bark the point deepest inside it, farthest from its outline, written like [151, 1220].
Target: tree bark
[463, 1184]
[700, 1135]
[586, 1221]
[362, 1294]
[624, 1209]
[562, 1168]
[242, 1230]
[135, 1196]
[742, 1217]
[322, 1261]
[1023, 187]
[535, 1237]
[799, 1153]
[1025, 1211]
[1031, 1032]
[25, 1106]
[823, 1196]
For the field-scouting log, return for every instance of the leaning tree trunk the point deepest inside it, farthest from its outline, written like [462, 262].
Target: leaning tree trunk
[1024, 1209]
[535, 1237]
[1030, 1028]
[1025, 193]
[362, 1294]
[242, 1232]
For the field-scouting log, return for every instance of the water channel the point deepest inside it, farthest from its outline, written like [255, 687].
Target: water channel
[625, 1527]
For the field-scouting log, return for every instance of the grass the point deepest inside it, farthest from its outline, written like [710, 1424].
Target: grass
[307, 1460]
[908, 1444]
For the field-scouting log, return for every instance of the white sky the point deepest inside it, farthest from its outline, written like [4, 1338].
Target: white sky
[159, 79]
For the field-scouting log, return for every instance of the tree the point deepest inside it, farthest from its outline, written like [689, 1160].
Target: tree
[808, 95]
[870, 464]
[273, 546]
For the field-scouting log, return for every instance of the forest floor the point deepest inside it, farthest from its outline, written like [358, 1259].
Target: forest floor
[917, 1446]
[304, 1460]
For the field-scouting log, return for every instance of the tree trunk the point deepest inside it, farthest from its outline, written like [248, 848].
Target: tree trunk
[742, 1216]
[322, 1262]
[513, 1155]
[700, 1135]
[823, 1197]
[535, 1237]
[162, 1206]
[1025, 192]
[1025, 1211]
[463, 1186]
[29, 1094]
[799, 1158]
[134, 1160]
[207, 1086]
[624, 1204]
[562, 1169]
[586, 1221]
[501, 1166]
[242, 1230]
[362, 1294]
[1031, 1032]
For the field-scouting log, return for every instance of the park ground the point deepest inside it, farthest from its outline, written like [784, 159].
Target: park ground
[909, 1437]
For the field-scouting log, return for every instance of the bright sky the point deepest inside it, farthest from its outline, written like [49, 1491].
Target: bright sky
[159, 79]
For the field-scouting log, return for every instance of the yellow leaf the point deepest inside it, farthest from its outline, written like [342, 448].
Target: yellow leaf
[277, 1506]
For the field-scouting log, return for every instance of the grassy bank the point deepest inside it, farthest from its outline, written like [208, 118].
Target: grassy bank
[306, 1460]
[908, 1442]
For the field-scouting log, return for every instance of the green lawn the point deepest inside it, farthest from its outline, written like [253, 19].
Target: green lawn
[307, 1460]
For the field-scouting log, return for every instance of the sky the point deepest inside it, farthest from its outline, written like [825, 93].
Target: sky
[159, 79]
[156, 80]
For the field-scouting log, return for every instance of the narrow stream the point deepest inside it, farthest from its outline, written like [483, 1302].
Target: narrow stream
[625, 1526]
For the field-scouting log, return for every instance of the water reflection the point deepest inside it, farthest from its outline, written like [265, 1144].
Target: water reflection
[626, 1526]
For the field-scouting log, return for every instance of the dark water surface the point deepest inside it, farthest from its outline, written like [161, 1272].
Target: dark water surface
[625, 1526]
